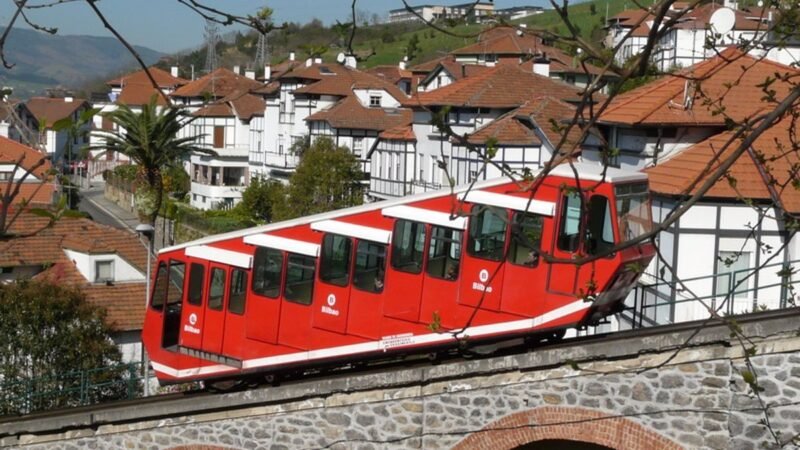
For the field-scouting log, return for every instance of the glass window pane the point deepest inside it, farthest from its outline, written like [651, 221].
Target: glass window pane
[487, 233]
[526, 238]
[335, 262]
[370, 266]
[236, 296]
[733, 268]
[444, 253]
[299, 278]
[408, 246]
[196, 274]
[104, 271]
[633, 210]
[177, 269]
[267, 268]
[569, 234]
[599, 229]
[216, 290]
[160, 288]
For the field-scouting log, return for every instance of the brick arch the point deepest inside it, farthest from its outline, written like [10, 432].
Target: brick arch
[565, 423]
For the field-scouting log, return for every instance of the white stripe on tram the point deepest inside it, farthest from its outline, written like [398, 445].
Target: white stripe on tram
[282, 243]
[357, 231]
[542, 207]
[220, 255]
[425, 216]
[387, 342]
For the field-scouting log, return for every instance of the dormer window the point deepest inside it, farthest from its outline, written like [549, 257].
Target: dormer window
[375, 101]
[103, 271]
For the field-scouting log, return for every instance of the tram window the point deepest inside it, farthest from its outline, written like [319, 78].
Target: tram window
[599, 231]
[526, 239]
[238, 289]
[177, 270]
[299, 279]
[487, 233]
[335, 263]
[160, 288]
[408, 246]
[267, 268]
[370, 266]
[569, 234]
[444, 253]
[196, 274]
[216, 289]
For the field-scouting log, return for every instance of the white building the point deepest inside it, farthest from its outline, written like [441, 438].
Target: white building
[472, 12]
[409, 160]
[48, 111]
[675, 133]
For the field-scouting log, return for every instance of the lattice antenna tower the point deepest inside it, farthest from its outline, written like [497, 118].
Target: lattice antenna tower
[262, 51]
[212, 37]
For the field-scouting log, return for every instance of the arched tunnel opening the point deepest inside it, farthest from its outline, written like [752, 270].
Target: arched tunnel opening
[561, 444]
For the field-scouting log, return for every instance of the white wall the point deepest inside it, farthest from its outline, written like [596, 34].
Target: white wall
[85, 263]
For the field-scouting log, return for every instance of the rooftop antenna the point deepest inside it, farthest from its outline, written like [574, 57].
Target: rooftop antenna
[211, 46]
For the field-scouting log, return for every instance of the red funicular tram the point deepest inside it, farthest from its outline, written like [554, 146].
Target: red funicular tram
[368, 281]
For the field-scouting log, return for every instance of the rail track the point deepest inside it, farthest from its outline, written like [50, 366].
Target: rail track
[514, 355]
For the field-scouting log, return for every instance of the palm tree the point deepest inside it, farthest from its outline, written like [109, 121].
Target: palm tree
[150, 139]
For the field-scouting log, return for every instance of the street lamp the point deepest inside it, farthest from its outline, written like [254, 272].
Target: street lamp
[146, 230]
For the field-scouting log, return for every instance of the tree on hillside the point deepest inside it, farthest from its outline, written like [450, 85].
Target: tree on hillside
[50, 337]
[150, 139]
[327, 178]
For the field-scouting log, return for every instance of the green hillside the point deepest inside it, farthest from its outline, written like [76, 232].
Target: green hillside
[388, 43]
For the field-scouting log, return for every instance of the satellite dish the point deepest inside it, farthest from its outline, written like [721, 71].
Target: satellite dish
[340, 58]
[760, 4]
[723, 20]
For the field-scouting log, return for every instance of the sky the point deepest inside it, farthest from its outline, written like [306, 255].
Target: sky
[168, 26]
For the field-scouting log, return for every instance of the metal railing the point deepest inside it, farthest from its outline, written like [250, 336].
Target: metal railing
[70, 389]
[727, 293]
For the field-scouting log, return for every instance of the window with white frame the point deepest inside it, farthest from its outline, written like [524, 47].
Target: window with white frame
[375, 100]
[103, 271]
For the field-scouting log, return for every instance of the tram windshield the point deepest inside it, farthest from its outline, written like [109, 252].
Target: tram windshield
[633, 210]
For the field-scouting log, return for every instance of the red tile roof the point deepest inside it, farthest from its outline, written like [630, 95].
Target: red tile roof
[697, 18]
[519, 126]
[218, 84]
[732, 80]
[343, 80]
[138, 94]
[350, 113]
[393, 74]
[49, 110]
[239, 104]
[503, 41]
[677, 174]
[403, 132]
[505, 86]
[12, 151]
[123, 301]
[163, 78]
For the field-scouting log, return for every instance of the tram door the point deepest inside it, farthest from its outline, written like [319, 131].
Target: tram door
[172, 309]
[525, 271]
[483, 271]
[234, 328]
[265, 306]
[332, 296]
[562, 276]
[408, 252]
[214, 320]
[193, 310]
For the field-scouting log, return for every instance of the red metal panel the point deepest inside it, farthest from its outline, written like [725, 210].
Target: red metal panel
[481, 282]
[191, 334]
[330, 307]
[403, 299]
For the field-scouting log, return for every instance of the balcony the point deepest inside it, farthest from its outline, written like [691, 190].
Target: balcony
[285, 161]
[240, 151]
[216, 191]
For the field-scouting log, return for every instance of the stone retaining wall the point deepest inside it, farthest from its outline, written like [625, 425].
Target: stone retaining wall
[697, 400]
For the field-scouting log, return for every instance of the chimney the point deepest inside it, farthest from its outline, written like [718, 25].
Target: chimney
[541, 65]
[236, 70]
[523, 25]
[68, 99]
[732, 4]
[250, 74]
[317, 60]
[174, 71]
[350, 61]
[267, 72]
[291, 56]
[6, 93]
[403, 64]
